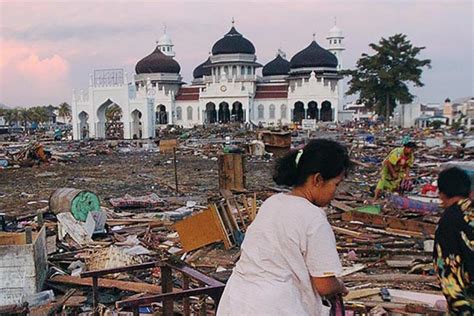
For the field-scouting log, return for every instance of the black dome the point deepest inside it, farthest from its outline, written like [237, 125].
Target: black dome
[233, 43]
[313, 56]
[201, 70]
[276, 67]
[157, 62]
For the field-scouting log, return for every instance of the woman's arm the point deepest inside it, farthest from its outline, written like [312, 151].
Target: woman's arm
[328, 286]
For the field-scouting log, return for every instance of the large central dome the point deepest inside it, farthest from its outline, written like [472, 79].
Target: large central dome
[313, 56]
[233, 43]
[157, 62]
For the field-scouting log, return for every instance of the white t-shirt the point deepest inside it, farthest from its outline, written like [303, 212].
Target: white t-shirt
[289, 241]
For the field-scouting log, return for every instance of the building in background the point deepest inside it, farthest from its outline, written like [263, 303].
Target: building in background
[225, 88]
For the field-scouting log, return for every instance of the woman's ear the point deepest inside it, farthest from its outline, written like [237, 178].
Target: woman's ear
[318, 180]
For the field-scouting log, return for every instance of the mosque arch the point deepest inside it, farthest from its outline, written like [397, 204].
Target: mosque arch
[161, 115]
[83, 125]
[224, 112]
[237, 111]
[109, 120]
[298, 112]
[211, 113]
[326, 112]
[136, 124]
[312, 112]
[189, 113]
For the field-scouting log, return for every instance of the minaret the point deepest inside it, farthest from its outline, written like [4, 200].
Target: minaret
[336, 47]
[165, 44]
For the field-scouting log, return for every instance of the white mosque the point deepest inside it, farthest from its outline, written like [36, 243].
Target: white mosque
[225, 88]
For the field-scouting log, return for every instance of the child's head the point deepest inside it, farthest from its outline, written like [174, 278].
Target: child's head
[320, 165]
[453, 182]
[409, 147]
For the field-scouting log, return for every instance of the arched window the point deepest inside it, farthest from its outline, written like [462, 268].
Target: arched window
[249, 70]
[242, 70]
[283, 112]
[234, 70]
[189, 111]
[179, 114]
[272, 111]
[260, 112]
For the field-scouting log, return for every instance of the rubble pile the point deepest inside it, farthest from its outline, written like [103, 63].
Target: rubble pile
[163, 230]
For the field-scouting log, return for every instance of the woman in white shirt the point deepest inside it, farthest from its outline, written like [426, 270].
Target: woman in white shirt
[289, 257]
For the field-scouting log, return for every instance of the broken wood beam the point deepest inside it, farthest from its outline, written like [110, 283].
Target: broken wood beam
[391, 222]
[393, 277]
[108, 283]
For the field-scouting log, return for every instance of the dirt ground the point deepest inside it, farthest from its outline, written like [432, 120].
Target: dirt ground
[25, 190]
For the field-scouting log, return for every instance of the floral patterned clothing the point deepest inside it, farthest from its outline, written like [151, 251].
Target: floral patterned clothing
[454, 257]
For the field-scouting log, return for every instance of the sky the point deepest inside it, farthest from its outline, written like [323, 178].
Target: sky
[48, 48]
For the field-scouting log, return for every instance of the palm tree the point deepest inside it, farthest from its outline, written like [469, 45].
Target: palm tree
[12, 116]
[38, 114]
[24, 116]
[64, 111]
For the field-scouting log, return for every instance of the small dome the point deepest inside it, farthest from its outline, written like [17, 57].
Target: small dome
[165, 39]
[233, 43]
[313, 56]
[276, 67]
[157, 62]
[201, 71]
[335, 32]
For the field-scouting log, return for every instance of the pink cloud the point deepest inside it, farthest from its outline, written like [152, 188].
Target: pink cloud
[26, 67]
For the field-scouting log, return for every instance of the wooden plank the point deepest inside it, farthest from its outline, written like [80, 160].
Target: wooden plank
[167, 145]
[342, 206]
[356, 294]
[200, 230]
[108, 283]
[218, 221]
[391, 222]
[391, 277]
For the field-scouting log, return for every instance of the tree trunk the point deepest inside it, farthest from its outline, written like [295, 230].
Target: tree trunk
[387, 110]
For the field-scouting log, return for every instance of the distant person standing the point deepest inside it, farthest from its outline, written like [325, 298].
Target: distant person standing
[289, 259]
[395, 168]
[454, 242]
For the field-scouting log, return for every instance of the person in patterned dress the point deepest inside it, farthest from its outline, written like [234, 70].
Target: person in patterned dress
[395, 168]
[453, 252]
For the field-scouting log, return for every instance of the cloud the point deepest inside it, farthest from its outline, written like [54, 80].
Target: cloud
[24, 73]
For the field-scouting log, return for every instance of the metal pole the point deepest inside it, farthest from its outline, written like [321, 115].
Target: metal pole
[175, 169]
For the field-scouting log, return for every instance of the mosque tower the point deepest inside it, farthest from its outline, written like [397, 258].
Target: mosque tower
[336, 47]
[165, 44]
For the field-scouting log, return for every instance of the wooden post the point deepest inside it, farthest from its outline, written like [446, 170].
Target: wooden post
[95, 295]
[231, 172]
[186, 310]
[167, 287]
[40, 219]
[29, 235]
[175, 169]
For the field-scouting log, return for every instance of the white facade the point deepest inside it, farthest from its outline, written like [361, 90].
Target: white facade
[405, 115]
[232, 91]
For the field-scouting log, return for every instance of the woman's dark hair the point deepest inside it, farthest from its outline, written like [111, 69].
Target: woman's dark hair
[327, 157]
[454, 182]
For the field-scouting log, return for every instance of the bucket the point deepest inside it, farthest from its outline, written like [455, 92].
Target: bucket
[78, 202]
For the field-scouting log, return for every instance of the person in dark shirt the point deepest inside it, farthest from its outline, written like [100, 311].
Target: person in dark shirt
[454, 242]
